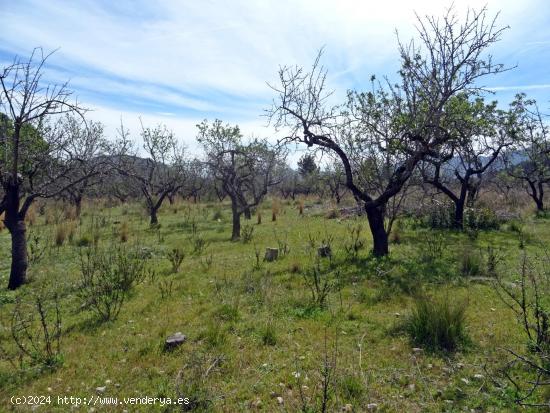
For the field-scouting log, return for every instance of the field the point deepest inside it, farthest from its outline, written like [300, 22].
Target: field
[260, 335]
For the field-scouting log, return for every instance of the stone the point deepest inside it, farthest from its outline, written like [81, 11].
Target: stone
[280, 400]
[101, 389]
[347, 408]
[479, 376]
[372, 407]
[271, 254]
[324, 251]
[256, 403]
[174, 340]
[465, 380]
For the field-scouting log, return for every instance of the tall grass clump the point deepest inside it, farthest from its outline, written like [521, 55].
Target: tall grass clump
[437, 323]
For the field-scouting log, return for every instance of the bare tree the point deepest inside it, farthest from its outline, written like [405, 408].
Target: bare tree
[245, 170]
[459, 167]
[86, 143]
[39, 154]
[334, 178]
[161, 173]
[390, 129]
[529, 161]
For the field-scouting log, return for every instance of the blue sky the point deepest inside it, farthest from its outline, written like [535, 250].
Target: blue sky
[178, 62]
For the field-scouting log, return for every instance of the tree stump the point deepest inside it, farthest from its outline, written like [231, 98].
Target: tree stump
[271, 254]
[174, 341]
[324, 251]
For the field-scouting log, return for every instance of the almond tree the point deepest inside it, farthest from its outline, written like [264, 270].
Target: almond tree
[40, 155]
[244, 169]
[387, 131]
[529, 161]
[163, 170]
[481, 135]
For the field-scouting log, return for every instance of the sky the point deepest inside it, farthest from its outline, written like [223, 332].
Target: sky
[178, 62]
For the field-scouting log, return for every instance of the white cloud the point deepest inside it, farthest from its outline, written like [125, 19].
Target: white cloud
[216, 56]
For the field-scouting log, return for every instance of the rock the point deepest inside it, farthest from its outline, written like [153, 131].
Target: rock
[280, 400]
[271, 254]
[347, 408]
[174, 340]
[101, 389]
[324, 251]
[479, 376]
[108, 381]
[256, 403]
[372, 407]
[465, 380]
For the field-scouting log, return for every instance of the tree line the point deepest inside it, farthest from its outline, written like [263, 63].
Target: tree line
[433, 127]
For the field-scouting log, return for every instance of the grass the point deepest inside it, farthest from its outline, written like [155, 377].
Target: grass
[437, 323]
[250, 328]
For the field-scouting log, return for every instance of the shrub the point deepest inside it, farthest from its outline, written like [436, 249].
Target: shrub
[354, 243]
[36, 327]
[247, 233]
[320, 281]
[107, 277]
[437, 323]
[482, 219]
[176, 256]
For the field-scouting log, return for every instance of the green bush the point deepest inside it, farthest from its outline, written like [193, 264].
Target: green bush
[437, 323]
[107, 277]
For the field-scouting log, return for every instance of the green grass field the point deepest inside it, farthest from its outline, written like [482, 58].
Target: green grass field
[256, 339]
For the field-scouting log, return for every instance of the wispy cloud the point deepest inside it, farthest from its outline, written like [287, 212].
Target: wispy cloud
[173, 60]
[520, 87]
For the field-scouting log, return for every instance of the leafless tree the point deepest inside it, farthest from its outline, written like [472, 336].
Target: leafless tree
[40, 156]
[389, 130]
[245, 170]
[529, 161]
[87, 143]
[160, 173]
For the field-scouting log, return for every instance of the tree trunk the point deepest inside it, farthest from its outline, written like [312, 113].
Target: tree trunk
[236, 232]
[247, 213]
[19, 263]
[539, 202]
[78, 205]
[16, 226]
[379, 236]
[154, 219]
[459, 214]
